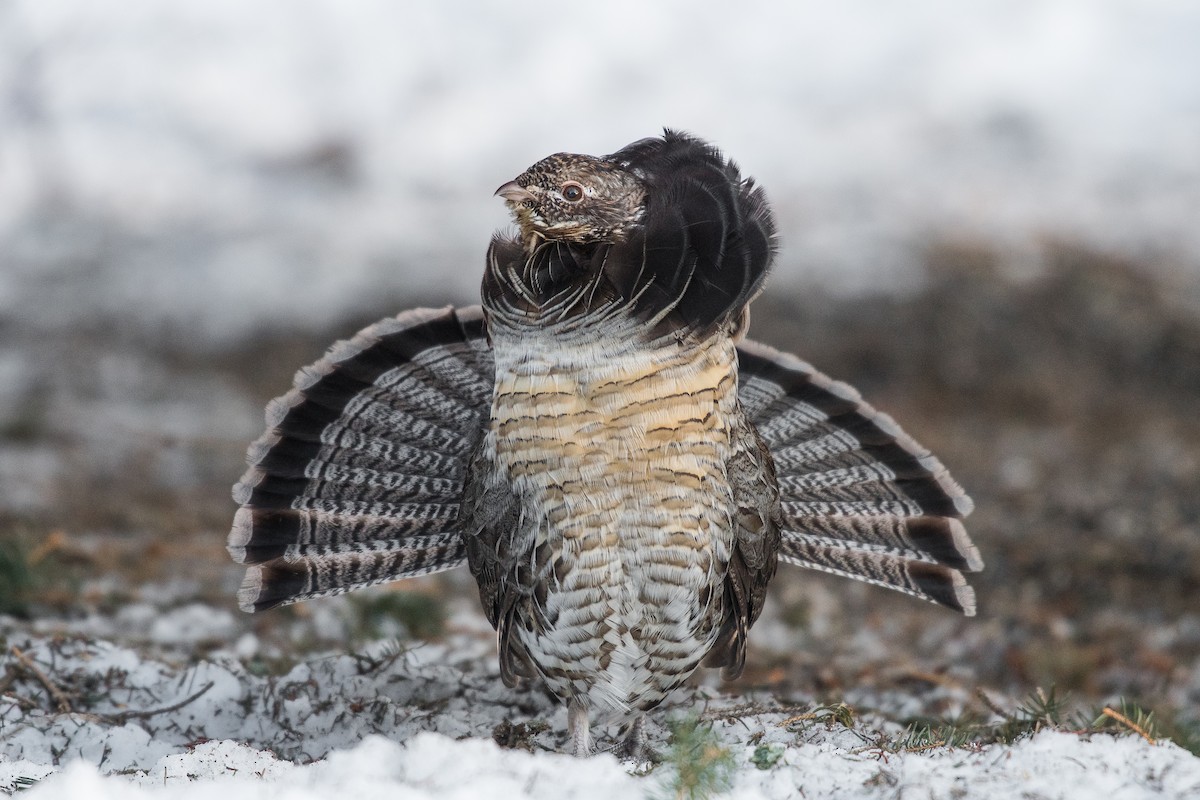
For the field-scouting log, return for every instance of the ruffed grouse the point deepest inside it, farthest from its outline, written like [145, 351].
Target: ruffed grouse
[619, 469]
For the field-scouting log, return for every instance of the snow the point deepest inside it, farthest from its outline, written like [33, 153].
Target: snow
[227, 164]
[431, 765]
[419, 722]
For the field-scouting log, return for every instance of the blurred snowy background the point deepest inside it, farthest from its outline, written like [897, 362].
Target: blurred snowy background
[214, 165]
[990, 222]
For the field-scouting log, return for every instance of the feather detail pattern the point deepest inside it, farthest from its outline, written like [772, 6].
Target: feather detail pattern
[859, 497]
[359, 475]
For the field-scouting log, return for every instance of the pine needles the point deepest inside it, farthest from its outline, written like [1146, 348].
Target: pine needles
[29, 566]
[1041, 710]
[1131, 718]
[699, 767]
[391, 613]
[16, 578]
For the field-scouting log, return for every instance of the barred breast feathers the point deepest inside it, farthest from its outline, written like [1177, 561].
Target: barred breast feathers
[617, 454]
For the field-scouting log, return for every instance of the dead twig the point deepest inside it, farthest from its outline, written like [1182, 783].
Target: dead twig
[10, 677]
[55, 542]
[57, 694]
[747, 710]
[1127, 722]
[24, 702]
[122, 717]
[809, 717]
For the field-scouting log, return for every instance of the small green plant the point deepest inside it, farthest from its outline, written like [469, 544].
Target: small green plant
[262, 666]
[767, 755]
[1129, 717]
[16, 578]
[421, 615]
[919, 736]
[698, 766]
[29, 422]
[28, 566]
[1041, 710]
[840, 714]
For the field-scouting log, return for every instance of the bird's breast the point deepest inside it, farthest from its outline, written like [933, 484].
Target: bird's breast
[618, 457]
[584, 433]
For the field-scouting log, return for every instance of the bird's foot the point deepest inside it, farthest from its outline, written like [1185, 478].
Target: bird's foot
[633, 746]
[578, 729]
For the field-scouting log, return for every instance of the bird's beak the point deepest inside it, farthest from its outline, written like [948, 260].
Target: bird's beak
[514, 192]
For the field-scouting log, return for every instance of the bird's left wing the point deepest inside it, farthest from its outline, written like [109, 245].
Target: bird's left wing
[360, 473]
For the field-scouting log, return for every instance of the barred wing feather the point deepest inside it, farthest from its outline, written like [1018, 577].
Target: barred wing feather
[358, 478]
[860, 498]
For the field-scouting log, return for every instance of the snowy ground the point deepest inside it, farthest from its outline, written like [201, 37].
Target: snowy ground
[435, 721]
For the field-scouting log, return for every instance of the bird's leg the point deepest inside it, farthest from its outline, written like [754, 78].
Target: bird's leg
[577, 727]
[634, 746]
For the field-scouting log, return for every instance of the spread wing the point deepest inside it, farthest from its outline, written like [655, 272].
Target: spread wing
[859, 497]
[359, 475]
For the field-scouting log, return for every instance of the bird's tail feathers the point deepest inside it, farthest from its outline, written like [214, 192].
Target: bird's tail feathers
[859, 497]
[393, 412]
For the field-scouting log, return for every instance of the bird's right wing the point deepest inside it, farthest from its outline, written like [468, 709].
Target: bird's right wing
[359, 476]
[860, 498]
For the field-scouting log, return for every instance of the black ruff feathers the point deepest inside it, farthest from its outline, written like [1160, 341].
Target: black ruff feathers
[700, 254]
[708, 238]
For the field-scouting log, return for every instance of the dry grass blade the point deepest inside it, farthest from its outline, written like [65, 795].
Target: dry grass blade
[57, 694]
[1127, 722]
[748, 710]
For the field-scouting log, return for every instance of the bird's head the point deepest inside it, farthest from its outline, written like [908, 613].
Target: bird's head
[574, 198]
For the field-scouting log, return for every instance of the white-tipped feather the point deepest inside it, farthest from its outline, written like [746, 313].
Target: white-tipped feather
[345, 350]
[239, 534]
[306, 377]
[278, 408]
[251, 478]
[251, 588]
[964, 545]
[259, 448]
[241, 493]
[963, 593]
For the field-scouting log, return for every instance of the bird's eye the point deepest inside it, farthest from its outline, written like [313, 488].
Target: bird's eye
[572, 192]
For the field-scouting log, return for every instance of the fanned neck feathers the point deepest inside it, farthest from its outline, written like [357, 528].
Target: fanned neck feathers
[618, 468]
[665, 233]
